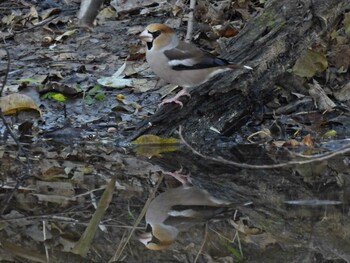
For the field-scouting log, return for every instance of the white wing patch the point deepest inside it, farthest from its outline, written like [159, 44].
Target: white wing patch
[184, 213]
[184, 62]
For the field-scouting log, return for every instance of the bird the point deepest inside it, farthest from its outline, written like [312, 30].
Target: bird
[177, 209]
[178, 62]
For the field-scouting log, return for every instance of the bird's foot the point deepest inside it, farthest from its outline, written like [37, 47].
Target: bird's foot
[182, 178]
[175, 99]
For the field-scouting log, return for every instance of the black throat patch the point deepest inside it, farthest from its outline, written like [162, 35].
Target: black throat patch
[149, 45]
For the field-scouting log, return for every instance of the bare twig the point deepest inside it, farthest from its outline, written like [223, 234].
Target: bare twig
[190, 21]
[7, 71]
[39, 24]
[236, 236]
[342, 150]
[121, 247]
[45, 243]
[203, 243]
[28, 166]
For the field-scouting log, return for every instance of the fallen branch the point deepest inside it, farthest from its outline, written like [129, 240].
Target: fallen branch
[190, 21]
[342, 150]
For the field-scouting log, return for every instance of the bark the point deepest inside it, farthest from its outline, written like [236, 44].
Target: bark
[270, 43]
[295, 232]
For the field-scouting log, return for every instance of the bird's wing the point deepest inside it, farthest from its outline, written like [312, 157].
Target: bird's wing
[186, 56]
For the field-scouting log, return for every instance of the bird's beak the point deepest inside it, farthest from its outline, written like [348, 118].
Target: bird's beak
[146, 36]
[145, 237]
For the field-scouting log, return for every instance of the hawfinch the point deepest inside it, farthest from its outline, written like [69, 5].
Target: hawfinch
[178, 62]
[177, 208]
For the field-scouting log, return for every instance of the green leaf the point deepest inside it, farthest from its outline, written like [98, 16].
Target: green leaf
[100, 96]
[88, 100]
[330, 133]
[234, 251]
[28, 80]
[94, 90]
[59, 97]
[54, 95]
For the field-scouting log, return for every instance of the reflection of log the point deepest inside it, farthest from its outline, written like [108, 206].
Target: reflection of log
[302, 231]
[270, 43]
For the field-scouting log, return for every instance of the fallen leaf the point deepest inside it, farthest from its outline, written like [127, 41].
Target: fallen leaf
[12, 103]
[346, 23]
[83, 245]
[49, 12]
[308, 141]
[151, 145]
[155, 150]
[343, 94]
[150, 139]
[309, 63]
[32, 15]
[55, 96]
[66, 34]
[21, 251]
[322, 101]
[330, 133]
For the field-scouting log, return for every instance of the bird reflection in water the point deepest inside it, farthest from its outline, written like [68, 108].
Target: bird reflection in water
[178, 209]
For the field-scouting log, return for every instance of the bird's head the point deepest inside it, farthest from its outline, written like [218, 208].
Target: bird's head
[157, 36]
[159, 237]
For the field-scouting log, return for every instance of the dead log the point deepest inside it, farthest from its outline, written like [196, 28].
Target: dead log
[270, 43]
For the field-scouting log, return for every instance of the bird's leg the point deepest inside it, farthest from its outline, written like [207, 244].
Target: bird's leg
[182, 178]
[175, 99]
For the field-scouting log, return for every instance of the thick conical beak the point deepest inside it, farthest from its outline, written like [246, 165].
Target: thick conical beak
[146, 36]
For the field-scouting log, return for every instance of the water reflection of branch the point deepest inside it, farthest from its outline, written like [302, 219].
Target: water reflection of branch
[122, 245]
[342, 150]
[28, 165]
[203, 243]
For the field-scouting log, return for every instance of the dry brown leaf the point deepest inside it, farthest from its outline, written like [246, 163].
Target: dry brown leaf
[13, 103]
[343, 94]
[308, 141]
[322, 101]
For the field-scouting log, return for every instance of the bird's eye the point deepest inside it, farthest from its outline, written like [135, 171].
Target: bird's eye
[155, 34]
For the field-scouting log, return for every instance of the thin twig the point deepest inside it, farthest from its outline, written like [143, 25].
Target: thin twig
[45, 243]
[121, 248]
[28, 165]
[342, 150]
[41, 23]
[236, 236]
[203, 243]
[190, 21]
[7, 71]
